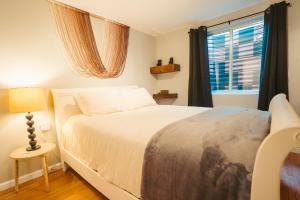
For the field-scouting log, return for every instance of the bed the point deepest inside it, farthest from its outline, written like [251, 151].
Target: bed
[77, 136]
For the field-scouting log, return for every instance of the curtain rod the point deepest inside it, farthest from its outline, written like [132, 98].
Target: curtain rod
[91, 14]
[232, 20]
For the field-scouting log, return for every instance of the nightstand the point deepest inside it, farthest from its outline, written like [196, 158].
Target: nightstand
[22, 154]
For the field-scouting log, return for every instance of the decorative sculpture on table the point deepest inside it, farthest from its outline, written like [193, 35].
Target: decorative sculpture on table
[27, 100]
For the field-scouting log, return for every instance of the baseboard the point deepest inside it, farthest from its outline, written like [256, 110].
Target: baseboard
[296, 150]
[28, 177]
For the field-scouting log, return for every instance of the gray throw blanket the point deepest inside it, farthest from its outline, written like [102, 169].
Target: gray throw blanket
[209, 156]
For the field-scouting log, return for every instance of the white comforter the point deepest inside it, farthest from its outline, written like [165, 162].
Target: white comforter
[114, 144]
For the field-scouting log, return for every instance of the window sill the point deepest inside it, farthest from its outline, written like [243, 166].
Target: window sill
[235, 92]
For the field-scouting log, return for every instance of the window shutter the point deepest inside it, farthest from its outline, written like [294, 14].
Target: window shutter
[218, 50]
[235, 53]
[247, 52]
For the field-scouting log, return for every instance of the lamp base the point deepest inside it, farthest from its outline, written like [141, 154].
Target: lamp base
[33, 148]
[32, 142]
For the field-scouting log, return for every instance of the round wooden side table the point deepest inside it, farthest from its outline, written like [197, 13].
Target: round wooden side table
[22, 154]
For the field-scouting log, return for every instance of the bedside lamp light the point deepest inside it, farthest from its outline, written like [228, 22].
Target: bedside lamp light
[27, 100]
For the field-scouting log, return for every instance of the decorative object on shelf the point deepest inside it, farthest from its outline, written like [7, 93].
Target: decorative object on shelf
[164, 91]
[27, 100]
[164, 94]
[159, 62]
[165, 69]
[171, 61]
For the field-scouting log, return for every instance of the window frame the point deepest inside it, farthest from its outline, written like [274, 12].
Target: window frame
[230, 28]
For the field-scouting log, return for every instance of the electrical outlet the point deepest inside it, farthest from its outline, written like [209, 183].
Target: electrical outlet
[44, 127]
[55, 168]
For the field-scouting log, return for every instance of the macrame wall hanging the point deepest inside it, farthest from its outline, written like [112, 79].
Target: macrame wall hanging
[75, 29]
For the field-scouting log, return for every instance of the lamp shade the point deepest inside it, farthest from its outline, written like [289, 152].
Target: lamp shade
[26, 99]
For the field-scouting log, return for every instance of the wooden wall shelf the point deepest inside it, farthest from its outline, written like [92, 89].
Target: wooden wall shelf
[164, 94]
[165, 69]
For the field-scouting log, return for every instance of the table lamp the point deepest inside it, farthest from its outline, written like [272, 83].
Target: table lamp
[27, 100]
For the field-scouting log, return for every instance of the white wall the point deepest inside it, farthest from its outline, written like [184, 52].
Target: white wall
[176, 44]
[293, 53]
[31, 54]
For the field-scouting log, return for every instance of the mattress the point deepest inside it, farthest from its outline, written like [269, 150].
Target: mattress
[114, 144]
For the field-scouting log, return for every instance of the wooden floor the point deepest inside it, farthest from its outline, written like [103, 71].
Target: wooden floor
[70, 186]
[290, 178]
[63, 186]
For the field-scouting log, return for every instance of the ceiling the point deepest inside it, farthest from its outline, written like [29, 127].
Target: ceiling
[157, 17]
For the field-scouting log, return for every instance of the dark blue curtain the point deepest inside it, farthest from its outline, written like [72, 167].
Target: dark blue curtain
[274, 69]
[199, 93]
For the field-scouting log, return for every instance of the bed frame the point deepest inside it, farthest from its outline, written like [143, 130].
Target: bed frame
[284, 137]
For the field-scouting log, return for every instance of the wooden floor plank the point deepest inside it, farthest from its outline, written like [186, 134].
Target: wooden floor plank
[70, 186]
[290, 178]
[63, 186]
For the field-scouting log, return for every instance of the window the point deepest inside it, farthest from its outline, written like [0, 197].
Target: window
[235, 53]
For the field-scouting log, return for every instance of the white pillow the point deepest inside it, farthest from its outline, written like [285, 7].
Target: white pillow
[99, 102]
[105, 101]
[136, 98]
